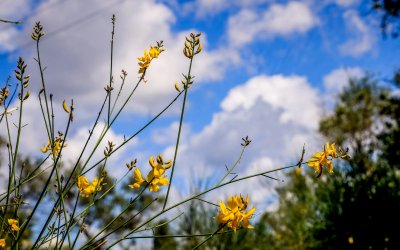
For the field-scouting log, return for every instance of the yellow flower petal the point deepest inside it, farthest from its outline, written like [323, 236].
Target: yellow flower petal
[2, 242]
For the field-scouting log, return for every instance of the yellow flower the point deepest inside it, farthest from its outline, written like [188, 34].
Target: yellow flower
[137, 179]
[158, 165]
[320, 160]
[144, 61]
[57, 146]
[14, 224]
[233, 215]
[330, 149]
[154, 52]
[86, 188]
[2, 242]
[155, 177]
[156, 182]
[324, 158]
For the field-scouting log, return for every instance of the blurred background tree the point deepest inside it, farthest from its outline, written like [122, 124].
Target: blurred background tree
[357, 206]
[389, 10]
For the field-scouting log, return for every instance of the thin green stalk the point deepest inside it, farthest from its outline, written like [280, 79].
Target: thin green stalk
[15, 153]
[177, 141]
[188, 83]
[111, 68]
[208, 238]
[8, 21]
[9, 184]
[233, 166]
[135, 134]
[27, 179]
[176, 235]
[109, 125]
[9, 101]
[43, 88]
[92, 203]
[198, 195]
[71, 219]
[161, 224]
[125, 223]
[123, 211]
[44, 116]
[45, 186]
[123, 77]
[66, 187]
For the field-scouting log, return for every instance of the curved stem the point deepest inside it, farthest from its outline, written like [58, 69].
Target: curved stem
[198, 195]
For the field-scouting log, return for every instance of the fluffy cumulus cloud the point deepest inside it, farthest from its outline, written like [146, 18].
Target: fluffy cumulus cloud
[34, 137]
[277, 20]
[337, 79]
[362, 39]
[76, 50]
[76, 55]
[280, 92]
[271, 112]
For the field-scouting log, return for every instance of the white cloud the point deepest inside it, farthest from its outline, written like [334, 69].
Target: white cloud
[281, 92]
[14, 10]
[34, 137]
[362, 40]
[277, 20]
[202, 8]
[270, 111]
[77, 58]
[206, 8]
[336, 80]
[164, 136]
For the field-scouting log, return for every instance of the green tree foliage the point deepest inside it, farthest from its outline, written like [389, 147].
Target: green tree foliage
[367, 194]
[357, 206]
[167, 243]
[390, 15]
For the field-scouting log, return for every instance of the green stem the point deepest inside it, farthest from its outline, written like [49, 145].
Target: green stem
[45, 187]
[176, 235]
[208, 238]
[135, 134]
[111, 69]
[233, 166]
[179, 132]
[198, 195]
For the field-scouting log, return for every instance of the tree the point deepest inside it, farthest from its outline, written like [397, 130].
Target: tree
[390, 12]
[366, 191]
[357, 206]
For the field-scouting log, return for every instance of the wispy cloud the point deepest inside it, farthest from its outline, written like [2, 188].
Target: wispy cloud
[362, 39]
[277, 20]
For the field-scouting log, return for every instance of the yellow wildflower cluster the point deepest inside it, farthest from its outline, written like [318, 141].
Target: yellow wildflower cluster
[13, 224]
[324, 158]
[2, 242]
[155, 177]
[58, 141]
[148, 56]
[86, 188]
[192, 45]
[233, 214]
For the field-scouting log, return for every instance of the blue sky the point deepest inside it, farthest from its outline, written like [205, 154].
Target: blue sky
[269, 70]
